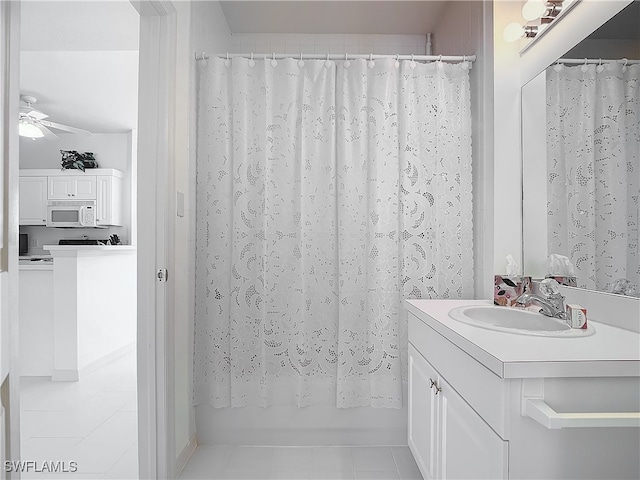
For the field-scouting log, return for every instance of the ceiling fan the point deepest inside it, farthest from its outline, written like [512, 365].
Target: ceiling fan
[32, 122]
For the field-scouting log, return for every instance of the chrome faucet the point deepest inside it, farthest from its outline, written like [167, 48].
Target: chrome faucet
[551, 301]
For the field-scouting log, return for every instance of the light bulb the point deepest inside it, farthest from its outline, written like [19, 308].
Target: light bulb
[26, 129]
[533, 9]
[513, 32]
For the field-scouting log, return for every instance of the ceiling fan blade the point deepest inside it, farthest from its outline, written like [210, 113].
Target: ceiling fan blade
[66, 128]
[37, 115]
[48, 134]
[32, 114]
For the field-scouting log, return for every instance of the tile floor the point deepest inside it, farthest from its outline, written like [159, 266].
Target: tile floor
[300, 463]
[92, 422]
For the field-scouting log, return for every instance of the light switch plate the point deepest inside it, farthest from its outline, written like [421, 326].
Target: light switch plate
[180, 204]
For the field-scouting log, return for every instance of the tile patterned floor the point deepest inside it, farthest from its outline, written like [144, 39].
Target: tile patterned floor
[301, 463]
[92, 422]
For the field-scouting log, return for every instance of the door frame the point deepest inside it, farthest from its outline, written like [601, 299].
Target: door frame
[156, 114]
[9, 141]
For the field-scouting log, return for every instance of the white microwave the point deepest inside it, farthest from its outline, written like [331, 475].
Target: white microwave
[71, 214]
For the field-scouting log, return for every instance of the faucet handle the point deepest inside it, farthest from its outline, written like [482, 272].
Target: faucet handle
[549, 288]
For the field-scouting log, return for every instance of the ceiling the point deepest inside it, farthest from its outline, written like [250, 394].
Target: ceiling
[319, 16]
[80, 60]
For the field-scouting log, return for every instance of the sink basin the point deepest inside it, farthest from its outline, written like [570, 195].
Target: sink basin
[515, 320]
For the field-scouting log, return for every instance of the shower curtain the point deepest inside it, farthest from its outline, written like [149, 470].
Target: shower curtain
[593, 142]
[326, 193]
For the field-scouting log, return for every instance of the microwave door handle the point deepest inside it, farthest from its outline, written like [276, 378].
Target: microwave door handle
[81, 216]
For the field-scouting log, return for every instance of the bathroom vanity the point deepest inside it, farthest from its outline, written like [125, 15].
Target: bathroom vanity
[493, 404]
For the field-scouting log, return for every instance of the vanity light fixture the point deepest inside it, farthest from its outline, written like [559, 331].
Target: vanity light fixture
[514, 31]
[534, 9]
[545, 10]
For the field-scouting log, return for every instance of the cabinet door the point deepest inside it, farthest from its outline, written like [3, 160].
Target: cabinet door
[85, 187]
[469, 448]
[109, 203]
[72, 187]
[33, 200]
[60, 188]
[103, 204]
[423, 413]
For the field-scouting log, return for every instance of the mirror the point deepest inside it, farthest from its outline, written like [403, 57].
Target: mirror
[581, 161]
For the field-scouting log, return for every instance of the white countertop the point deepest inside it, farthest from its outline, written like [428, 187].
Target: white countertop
[611, 351]
[88, 250]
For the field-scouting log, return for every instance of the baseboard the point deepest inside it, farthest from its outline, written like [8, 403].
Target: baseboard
[69, 375]
[106, 359]
[308, 426]
[185, 455]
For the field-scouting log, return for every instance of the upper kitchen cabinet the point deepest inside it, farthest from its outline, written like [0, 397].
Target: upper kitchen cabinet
[77, 187]
[40, 187]
[109, 204]
[33, 200]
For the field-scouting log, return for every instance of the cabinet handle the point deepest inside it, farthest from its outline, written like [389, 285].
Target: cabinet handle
[538, 410]
[435, 384]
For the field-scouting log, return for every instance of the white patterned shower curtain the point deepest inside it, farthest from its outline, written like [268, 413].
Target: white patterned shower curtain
[593, 142]
[326, 193]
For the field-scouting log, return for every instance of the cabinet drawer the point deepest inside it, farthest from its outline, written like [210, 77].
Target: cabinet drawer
[485, 392]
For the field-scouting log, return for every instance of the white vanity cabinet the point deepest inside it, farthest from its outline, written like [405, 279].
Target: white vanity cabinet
[480, 406]
[33, 200]
[447, 437]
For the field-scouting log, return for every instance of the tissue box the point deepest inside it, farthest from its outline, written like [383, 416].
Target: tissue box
[508, 288]
[564, 280]
[577, 316]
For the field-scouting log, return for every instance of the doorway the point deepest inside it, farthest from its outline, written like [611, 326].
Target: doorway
[87, 80]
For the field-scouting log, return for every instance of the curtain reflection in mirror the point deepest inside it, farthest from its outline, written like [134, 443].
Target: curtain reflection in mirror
[593, 171]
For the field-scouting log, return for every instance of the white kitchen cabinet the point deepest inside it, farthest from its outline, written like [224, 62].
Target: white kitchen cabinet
[33, 200]
[109, 196]
[40, 186]
[447, 437]
[76, 187]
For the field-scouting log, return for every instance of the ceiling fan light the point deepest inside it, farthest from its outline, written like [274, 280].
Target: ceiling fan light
[30, 130]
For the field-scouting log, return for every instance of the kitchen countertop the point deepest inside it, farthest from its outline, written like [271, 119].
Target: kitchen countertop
[89, 250]
[611, 351]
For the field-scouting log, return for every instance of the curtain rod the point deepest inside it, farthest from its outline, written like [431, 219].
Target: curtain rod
[582, 61]
[340, 56]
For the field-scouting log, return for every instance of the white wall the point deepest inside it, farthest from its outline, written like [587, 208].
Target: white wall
[112, 150]
[201, 27]
[507, 180]
[465, 28]
[296, 43]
